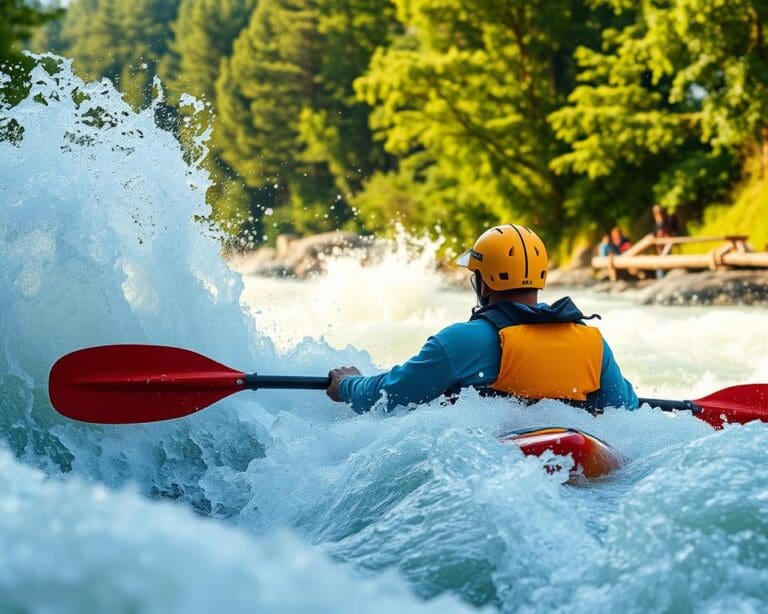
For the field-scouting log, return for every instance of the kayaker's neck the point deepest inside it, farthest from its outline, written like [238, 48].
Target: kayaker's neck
[526, 297]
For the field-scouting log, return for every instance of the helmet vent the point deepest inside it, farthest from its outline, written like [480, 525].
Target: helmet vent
[499, 230]
[536, 249]
[492, 279]
[511, 251]
[504, 276]
[543, 273]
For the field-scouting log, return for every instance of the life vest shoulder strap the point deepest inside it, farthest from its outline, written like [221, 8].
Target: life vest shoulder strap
[506, 313]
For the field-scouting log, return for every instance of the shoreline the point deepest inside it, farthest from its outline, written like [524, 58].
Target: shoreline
[677, 287]
[301, 258]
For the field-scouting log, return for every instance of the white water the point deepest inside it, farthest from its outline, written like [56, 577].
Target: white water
[391, 310]
[98, 245]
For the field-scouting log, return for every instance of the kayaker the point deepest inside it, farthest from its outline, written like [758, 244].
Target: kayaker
[512, 344]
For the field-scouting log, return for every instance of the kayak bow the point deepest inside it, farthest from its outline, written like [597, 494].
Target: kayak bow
[592, 457]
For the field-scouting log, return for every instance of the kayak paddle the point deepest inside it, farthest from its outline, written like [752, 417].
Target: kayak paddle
[130, 384]
[127, 384]
[735, 404]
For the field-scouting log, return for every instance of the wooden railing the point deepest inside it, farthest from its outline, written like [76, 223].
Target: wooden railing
[734, 251]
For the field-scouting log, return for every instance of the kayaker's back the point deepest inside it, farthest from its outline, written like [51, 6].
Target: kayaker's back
[474, 352]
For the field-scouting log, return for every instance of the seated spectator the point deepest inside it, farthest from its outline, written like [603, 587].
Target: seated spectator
[619, 242]
[664, 225]
[606, 247]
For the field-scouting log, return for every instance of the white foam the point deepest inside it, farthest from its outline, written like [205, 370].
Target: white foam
[76, 548]
[98, 244]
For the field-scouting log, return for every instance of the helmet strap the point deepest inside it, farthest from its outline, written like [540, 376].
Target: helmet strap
[477, 285]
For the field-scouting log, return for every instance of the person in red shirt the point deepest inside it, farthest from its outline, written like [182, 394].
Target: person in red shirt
[619, 242]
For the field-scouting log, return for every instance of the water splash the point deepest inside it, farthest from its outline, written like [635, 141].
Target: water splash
[77, 548]
[99, 244]
[393, 287]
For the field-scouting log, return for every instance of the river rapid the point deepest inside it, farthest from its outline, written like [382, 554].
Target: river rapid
[285, 501]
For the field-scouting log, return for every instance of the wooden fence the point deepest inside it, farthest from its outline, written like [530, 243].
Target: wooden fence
[734, 251]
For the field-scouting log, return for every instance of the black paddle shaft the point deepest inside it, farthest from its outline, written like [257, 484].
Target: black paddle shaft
[667, 405]
[287, 382]
[305, 382]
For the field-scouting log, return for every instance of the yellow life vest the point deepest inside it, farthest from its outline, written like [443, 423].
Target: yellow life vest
[545, 352]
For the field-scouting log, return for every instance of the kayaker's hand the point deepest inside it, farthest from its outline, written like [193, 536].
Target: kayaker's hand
[336, 376]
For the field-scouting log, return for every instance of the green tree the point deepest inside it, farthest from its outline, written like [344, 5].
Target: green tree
[287, 119]
[204, 33]
[49, 37]
[678, 96]
[463, 99]
[339, 136]
[18, 21]
[123, 41]
[260, 94]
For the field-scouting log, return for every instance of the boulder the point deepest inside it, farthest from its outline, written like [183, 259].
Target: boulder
[295, 256]
[573, 277]
[581, 257]
[723, 287]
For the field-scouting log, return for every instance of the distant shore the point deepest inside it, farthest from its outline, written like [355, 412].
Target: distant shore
[303, 257]
[677, 287]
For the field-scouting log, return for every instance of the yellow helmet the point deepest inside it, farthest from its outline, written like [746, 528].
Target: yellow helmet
[508, 257]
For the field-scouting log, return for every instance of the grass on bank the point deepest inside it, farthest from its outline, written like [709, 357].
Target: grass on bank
[748, 215]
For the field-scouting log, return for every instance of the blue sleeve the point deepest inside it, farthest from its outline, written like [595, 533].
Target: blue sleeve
[422, 378]
[615, 390]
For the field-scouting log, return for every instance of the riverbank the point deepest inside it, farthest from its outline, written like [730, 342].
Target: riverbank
[301, 258]
[677, 287]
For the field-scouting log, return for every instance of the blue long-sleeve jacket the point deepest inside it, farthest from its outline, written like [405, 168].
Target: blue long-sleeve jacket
[465, 354]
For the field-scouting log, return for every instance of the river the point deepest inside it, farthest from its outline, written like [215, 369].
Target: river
[285, 501]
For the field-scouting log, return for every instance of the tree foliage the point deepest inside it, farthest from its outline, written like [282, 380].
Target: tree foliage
[203, 35]
[123, 41]
[19, 19]
[445, 115]
[463, 100]
[677, 96]
[288, 122]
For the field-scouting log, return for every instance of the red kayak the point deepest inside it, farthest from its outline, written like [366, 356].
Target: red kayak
[592, 457]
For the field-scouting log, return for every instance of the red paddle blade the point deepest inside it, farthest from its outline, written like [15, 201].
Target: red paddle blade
[737, 404]
[125, 384]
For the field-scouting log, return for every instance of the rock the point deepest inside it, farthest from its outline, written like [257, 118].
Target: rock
[725, 287]
[253, 263]
[578, 273]
[581, 257]
[283, 245]
[305, 256]
[574, 277]
[294, 256]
